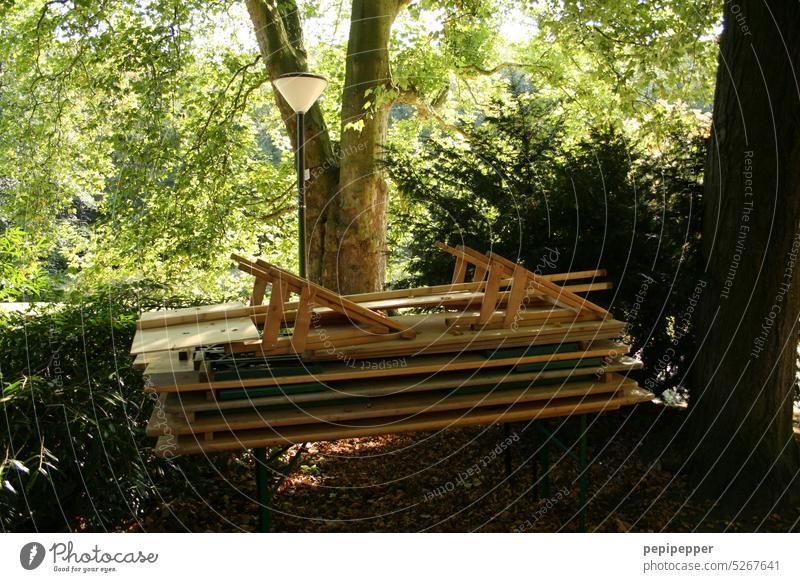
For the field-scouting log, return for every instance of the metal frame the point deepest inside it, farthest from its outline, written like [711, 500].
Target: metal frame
[265, 493]
[542, 457]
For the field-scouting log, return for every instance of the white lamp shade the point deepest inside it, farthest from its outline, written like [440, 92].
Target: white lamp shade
[300, 90]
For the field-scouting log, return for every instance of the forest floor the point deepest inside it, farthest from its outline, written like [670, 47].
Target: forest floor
[455, 481]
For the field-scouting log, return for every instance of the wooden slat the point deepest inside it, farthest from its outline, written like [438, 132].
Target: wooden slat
[330, 338]
[259, 289]
[323, 295]
[198, 314]
[423, 422]
[519, 286]
[430, 334]
[337, 371]
[459, 272]
[303, 320]
[189, 402]
[532, 317]
[389, 406]
[572, 275]
[462, 295]
[201, 334]
[489, 303]
[272, 325]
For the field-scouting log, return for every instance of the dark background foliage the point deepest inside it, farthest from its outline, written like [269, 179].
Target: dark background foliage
[525, 191]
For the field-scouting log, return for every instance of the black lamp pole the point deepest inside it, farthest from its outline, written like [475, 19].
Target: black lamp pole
[300, 90]
[301, 189]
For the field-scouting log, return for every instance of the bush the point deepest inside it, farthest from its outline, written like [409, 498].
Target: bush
[73, 417]
[526, 190]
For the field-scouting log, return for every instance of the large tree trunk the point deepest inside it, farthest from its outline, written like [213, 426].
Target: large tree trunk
[346, 199]
[355, 258]
[280, 41]
[745, 372]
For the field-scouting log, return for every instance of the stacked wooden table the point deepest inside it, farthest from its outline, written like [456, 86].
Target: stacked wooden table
[307, 364]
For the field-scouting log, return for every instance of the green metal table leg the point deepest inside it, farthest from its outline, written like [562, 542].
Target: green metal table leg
[544, 457]
[583, 463]
[507, 451]
[535, 459]
[262, 487]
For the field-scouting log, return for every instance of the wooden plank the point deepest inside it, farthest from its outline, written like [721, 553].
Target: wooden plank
[588, 287]
[390, 406]
[558, 293]
[451, 296]
[197, 314]
[259, 289]
[422, 422]
[350, 370]
[200, 334]
[168, 368]
[433, 339]
[489, 303]
[336, 301]
[189, 402]
[526, 318]
[519, 286]
[331, 338]
[570, 276]
[303, 320]
[272, 325]
[459, 272]
[505, 343]
[430, 335]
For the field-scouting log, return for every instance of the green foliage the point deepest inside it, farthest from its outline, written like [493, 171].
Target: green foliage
[22, 272]
[622, 56]
[73, 415]
[137, 143]
[520, 186]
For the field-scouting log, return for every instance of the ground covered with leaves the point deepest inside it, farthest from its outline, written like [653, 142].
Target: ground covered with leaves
[456, 481]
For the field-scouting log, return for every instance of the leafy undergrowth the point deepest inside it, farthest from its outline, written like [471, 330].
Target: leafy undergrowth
[455, 481]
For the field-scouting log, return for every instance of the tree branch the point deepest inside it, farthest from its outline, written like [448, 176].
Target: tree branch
[426, 111]
[476, 71]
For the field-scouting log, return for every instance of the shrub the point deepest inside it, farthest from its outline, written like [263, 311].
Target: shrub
[526, 189]
[73, 417]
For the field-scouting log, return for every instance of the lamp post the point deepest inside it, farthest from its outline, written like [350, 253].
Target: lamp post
[301, 91]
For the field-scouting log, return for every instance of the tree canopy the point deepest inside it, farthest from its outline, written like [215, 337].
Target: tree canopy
[141, 139]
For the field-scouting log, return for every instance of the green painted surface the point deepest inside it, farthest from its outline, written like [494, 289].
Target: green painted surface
[262, 391]
[530, 351]
[589, 363]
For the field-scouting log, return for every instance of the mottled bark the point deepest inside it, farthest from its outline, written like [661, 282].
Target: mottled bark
[346, 198]
[357, 218]
[748, 323]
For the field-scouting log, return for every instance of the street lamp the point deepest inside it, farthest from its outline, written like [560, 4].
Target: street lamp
[301, 91]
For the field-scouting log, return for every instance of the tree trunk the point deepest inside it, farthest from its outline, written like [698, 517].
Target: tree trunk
[280, 41]
[745, 452]
[355, 258]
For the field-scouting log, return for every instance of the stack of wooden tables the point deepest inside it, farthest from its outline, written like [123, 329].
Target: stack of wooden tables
[307, 364]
